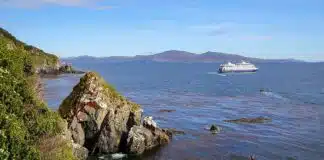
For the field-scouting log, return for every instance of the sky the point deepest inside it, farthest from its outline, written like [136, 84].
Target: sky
[255, 28]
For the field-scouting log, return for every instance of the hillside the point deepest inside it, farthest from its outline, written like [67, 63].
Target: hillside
[38, 56]
[177, 56]
[28, 129]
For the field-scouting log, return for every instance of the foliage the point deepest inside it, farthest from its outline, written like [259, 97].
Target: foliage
[23, 117]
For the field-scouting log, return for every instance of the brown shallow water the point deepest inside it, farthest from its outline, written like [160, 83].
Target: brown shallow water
[201, 97]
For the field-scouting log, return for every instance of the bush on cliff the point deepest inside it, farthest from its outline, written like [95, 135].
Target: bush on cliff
[24, 119]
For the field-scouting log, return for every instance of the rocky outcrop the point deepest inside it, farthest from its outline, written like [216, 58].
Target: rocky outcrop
[145, 137]
[105, 122]
[98, 117]
[57, 69]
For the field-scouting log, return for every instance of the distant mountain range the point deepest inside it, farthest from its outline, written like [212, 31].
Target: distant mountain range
[177, 56]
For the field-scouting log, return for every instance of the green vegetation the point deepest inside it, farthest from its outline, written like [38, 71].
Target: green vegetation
[38, 56]
[24, 119]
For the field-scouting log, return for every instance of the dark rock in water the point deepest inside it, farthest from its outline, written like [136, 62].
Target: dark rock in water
[252, 158]
[249, 120]
[265, 90]
[167, 110]
[238, 157]
[97, 115]
[146, 137]
[215, 129]
[173, 131]
[103, 121]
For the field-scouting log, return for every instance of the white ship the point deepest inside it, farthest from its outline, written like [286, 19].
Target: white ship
[237, 67]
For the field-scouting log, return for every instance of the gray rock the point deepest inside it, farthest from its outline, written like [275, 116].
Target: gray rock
[79, 152]
[98, 117]
[141, 138]
[149, 123]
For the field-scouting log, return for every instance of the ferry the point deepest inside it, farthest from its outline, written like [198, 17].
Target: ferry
[237, 67]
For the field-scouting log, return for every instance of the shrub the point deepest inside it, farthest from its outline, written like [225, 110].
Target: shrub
[23, 117]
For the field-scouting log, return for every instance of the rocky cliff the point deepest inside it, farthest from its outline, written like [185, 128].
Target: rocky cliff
[103, 121]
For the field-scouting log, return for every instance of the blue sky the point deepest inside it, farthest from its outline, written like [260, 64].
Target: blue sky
[256, 28]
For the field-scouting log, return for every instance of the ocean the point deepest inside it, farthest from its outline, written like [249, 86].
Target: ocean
[293, 97]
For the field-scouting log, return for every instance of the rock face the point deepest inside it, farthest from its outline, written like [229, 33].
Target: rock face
[141, 138]
[105, 122]
[78, 151]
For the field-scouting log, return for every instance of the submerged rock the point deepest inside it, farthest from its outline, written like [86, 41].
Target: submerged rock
[249, 120]
[173, 131]
[215, 129]
[146, 137]
[98, 117]
[167, 110]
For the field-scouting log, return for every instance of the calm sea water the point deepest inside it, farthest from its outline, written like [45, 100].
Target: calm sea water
[202, 97]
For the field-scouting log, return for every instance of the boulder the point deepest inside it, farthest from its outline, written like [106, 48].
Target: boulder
[99, 118]
[149, 123]
[79, 152]
[146, 137]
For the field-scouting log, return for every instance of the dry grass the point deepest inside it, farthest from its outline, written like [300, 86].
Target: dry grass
[56, 148]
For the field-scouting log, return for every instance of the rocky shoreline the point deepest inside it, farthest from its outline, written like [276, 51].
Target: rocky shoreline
[59, 68]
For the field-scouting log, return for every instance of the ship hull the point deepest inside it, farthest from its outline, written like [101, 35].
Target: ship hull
[237, 71]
